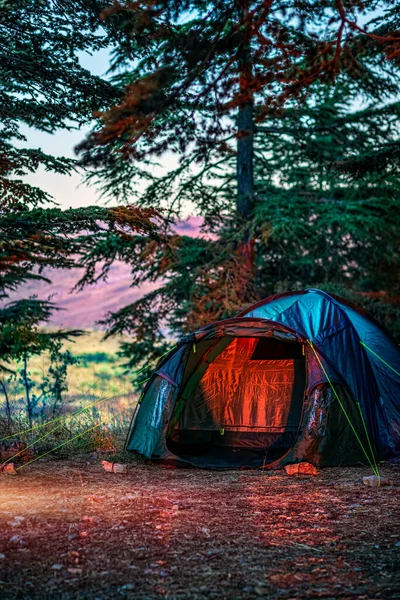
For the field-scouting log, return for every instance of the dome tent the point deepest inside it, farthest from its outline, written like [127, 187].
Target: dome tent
[301, 376]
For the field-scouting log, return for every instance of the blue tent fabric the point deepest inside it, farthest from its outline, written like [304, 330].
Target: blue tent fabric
[160, 396]
[359, 359]
[337, 330]
[387, 378]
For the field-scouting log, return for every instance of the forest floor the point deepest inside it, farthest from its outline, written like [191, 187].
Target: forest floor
[69, 530]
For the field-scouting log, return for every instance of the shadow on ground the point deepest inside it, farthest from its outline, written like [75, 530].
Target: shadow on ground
[68, 530]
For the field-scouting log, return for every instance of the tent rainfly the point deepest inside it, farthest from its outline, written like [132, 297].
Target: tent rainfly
[301, 376]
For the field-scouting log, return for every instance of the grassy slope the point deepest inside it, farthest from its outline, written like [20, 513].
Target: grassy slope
[99, 378]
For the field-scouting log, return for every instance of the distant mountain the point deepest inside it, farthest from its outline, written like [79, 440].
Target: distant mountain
[84, 309]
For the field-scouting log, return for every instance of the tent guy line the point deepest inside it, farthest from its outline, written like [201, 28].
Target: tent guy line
[63, 417]
[380, 358]
[374, 466]
[59, 446]
[71, 440]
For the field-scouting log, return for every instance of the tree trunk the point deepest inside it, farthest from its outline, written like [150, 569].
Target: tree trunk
[245, 124]
[245, 177]
[8, 408]
[28, 397]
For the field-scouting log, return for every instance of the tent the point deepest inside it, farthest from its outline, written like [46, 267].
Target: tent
[300, 376]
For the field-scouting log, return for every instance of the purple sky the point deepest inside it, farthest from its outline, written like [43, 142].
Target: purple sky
[83, 309]
[69, 190]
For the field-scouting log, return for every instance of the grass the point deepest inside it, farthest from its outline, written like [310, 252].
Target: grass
[98, 386]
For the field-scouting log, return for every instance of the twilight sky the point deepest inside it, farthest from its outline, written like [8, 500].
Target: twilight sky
[66, 190]
[69, 190]
[84, 308]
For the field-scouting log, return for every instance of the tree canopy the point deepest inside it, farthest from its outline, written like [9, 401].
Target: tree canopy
[284, 123]
[200, 77]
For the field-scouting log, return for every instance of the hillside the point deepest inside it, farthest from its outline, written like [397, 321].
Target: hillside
[83, 309]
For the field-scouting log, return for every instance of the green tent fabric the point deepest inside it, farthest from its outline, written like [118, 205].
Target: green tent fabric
[301, 376]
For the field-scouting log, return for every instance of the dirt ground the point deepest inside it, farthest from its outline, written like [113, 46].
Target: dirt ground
[70, 530]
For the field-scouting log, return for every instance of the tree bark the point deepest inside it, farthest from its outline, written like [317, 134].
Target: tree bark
[8, 408]
[245, 152]
[28, 397]
[245, 124]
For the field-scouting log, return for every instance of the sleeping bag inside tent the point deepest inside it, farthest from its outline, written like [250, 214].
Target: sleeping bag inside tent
[298, 377]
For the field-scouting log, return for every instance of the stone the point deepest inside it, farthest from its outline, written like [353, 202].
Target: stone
[9, 469]
[303, 468]
[375, 481]
[111, 467]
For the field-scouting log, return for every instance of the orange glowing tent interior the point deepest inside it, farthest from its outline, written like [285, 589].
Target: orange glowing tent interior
[250, 397]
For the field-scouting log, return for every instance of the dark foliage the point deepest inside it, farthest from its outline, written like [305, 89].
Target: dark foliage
[283, 121]
[42, 87]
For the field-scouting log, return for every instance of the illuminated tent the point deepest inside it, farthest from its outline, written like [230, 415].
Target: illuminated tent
[301, 376]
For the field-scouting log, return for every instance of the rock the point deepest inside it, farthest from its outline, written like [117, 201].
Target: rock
[15, 539]
[57, 567]
[303, 468]
[114, 467]
[90, 519]
[260, 591]
[2, 556]
[17, 522]
[9, 469]
[74, 571]
[375, 481]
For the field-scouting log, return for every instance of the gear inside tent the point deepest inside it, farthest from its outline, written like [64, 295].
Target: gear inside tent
[301, 376]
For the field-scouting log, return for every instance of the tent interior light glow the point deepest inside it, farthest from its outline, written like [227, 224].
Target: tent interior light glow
[302, 376]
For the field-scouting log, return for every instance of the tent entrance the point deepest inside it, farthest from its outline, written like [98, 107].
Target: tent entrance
[245, 407]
